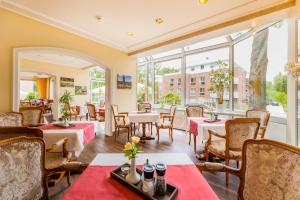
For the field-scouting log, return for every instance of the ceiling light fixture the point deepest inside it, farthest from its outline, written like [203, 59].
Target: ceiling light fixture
[130, 34]
[159, 20]
[98, 18]
[203, 1]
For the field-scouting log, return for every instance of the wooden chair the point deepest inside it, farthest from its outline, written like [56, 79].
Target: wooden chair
[11, 119]
[73, 111]
[93, 114]
[24, 174]
[57, 158]
[121, 121]
[264, 117]
[143, 107]
[269, 170]
[194, 111]
[32, 116]
[229, 146]
[166, 122]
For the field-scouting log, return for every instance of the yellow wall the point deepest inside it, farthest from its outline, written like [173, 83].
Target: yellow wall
[20, 31]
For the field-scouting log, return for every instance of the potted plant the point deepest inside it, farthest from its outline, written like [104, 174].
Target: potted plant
[220, 79]
[130, 151]
[65, 101]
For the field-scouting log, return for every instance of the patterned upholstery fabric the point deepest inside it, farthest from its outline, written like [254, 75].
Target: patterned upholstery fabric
[55, 160]
[271, 173]
[217, 147]
[92, 110]
[172, 110]
[31, 116]
[262, 115]
[115, 109]
[11, 119]
[120, 122]
[194, 111]
[21, 169]
[240, 132]
[164, 124]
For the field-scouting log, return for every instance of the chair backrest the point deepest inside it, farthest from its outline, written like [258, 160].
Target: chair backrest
[194, 111]
[22, 166]
[115, 110]
[238, 131]
[12, 132]
[143, 106]
[91, 110]
[11, 119]
[172, 112]
[264, 117]
[270, 170]
[32, 115]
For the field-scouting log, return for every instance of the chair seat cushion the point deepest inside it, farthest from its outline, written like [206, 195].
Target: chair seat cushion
[164, 124]
[217, 147]
[55, 160]
[120, 122]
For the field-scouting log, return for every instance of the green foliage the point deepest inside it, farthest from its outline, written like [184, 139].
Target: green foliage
[31, 96]
[170, 98]
[281, 98]
[220, 80]
[280, 83]
[66, 97]
[141, 96]
[165, 70]
[96, 73]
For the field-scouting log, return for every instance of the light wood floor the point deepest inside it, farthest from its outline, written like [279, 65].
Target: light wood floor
[106, 144]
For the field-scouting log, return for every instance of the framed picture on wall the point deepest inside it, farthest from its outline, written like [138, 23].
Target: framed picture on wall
[124, 81]
[66, 82]
[80, 90]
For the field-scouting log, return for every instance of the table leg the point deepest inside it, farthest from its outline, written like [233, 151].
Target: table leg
[144, 137]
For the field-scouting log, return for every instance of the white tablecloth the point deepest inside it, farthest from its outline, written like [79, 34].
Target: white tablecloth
[135, 117]
[203, 128]
[117, 159]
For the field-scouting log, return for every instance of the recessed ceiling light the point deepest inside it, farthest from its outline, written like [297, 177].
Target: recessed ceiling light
[203, 1]
[159, 20]
[130, 34]
[98, 18]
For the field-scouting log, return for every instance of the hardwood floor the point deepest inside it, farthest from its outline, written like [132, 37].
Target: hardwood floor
[106, 144]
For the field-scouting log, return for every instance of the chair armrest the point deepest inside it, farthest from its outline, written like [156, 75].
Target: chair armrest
[162, 114]
[214, 133]
[169, 117]
[123, 113]
[61, 143]
[217, 167]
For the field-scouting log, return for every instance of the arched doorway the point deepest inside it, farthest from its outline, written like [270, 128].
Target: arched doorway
[17, 54]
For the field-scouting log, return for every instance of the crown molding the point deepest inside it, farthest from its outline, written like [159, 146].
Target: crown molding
[253, 15]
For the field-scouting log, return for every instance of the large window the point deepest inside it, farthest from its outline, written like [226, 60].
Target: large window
[141, 83]
[168, 82]
[28, 89]
[198, 69]
[97, 86]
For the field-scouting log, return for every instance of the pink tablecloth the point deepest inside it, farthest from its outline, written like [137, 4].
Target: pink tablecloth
[95, 183]
[88, 130]
[194, 124]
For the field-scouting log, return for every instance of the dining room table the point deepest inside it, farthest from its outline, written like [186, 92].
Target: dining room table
[96, 183]
[78, 135]
[199, 126]
[144, 118]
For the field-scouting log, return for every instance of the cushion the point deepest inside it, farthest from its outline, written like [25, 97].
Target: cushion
[55, 160]
[217, 147]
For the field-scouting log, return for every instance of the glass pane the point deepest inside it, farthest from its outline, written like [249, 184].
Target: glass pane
[168, 87]
[142, 59]
[259, 62]
[28, 90]
[97, 86]
[206, 43]
[141, 82]
[198, 71]
[238, 34]
[167, 53]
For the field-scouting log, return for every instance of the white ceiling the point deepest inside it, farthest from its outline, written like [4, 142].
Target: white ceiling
[56, 58]
[122, 16]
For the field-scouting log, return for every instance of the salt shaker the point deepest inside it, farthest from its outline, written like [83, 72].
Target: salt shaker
[148, 181]
[161, 186]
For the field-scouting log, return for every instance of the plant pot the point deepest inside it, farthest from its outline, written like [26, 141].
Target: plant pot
[133, 177]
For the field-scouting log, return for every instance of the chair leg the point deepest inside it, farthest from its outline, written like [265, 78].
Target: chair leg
[69, 178]
[133, 128]
[128, 136]
[151, 127]
[190, 138]
[195, 143]
[157, 133]
[226, 174]
[237, 164]
[172, 134]
[115, 133]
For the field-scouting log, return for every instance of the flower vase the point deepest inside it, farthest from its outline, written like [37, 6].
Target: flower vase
[133, 177]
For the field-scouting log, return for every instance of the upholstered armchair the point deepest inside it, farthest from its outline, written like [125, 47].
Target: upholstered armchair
[264, 117]
[194, 111]
[121, 121]
[166, 122]
[32, 116]
[143, 107]
[11, 119]
[73, 111]
[22, 163]
[229, 146]
[269, 170]
[93, 114]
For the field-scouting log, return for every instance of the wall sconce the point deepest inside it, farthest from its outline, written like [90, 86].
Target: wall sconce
[293, 69]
